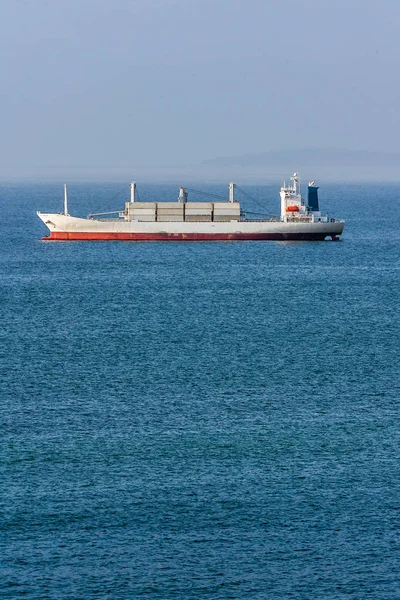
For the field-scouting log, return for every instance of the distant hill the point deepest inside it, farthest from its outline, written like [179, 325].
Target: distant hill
[310, 157]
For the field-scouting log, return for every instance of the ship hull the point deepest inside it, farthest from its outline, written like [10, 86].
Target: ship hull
[67, 228]
[183, 237]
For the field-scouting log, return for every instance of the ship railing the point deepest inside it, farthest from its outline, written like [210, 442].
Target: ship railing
[272, 220]
[261, 216]
[109, 220]
[111, 212]
[299, 219]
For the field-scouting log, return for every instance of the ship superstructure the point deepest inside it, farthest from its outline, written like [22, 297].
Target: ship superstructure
[293, 207]
[190, 221]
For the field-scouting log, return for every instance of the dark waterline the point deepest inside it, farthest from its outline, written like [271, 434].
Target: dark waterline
[209, 420]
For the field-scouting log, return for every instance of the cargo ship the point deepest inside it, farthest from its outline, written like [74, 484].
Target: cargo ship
[199, 221]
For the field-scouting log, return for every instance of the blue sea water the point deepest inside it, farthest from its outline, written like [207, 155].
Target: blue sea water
[200, 420]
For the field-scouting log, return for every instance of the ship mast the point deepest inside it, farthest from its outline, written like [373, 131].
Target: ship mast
[65, 200]
[183, 195]
[296, 183]
[231, 192]
[133, 188]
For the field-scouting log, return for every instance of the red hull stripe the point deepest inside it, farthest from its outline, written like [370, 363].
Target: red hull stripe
[178, 237]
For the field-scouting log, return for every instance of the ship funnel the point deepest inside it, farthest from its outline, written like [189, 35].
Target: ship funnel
[313, 203]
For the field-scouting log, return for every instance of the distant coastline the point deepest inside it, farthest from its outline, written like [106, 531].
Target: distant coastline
[262, 168]
[315, 157]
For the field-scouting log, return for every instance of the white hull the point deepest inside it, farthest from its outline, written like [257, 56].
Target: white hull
[65, 227]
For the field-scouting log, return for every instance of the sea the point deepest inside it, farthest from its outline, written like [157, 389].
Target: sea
[200, 420]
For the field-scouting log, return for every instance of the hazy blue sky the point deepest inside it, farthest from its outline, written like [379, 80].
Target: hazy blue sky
[149, 83]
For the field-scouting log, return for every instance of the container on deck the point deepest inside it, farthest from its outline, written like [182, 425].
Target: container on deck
[222, 218]
[170, 205]
[142, 205]
[198, 210]
[142, 217]
[227, 207]
[169, 217]
[198, 218]
[141, 211]
[198, 205]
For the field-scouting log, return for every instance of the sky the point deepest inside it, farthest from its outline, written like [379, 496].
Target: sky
[91, 87]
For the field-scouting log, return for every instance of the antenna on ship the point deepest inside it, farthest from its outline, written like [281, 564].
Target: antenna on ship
[65, 200]
[296, 183]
